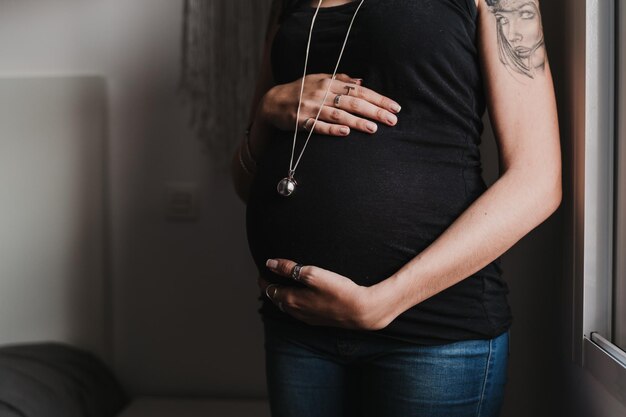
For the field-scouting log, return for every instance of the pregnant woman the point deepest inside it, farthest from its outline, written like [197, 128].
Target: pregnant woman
[376, 238]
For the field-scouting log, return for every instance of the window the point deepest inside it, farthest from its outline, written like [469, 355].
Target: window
[601, 202]
[619, 254]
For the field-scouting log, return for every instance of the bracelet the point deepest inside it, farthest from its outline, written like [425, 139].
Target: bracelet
[247, 144]
[243, 164]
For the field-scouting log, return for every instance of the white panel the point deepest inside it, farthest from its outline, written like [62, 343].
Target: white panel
[51, 218]
[181, 407]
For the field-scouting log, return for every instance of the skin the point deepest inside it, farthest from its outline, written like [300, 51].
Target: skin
[524, 120]
[521, 25]
[520, 35]
[276, 106]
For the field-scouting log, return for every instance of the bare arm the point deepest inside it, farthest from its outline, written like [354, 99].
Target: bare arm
[260, 129]
[522, 108]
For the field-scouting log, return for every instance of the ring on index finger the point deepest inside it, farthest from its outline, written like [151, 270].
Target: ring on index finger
[305, 125]
[295, 272]
[271, 297]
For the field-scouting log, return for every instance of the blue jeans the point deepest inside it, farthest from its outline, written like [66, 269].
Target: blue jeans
[316, 371]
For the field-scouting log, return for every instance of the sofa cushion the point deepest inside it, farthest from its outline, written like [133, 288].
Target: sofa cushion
[52, 379]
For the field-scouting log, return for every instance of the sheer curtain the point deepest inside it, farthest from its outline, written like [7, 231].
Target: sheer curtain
[221, 54]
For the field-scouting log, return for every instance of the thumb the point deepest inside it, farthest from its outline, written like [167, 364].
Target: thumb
[291, 269]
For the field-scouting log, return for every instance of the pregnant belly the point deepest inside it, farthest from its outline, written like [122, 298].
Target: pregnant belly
[364, 205]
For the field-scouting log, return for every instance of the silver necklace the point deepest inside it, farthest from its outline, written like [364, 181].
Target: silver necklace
[287, 185]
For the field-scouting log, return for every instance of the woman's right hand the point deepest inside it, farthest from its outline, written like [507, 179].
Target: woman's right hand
[359, 110]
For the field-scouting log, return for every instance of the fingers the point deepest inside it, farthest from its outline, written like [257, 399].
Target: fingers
[281, 296]
[336, 121]
[358, 107]
[271, 291]
[356, 104]
[347, 79]
[376, 99]
[285, 267]
[345, 118]
[325, 128]
[348, 105]
[358, 90]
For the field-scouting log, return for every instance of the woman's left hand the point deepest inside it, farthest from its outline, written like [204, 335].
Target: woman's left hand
[327, 298]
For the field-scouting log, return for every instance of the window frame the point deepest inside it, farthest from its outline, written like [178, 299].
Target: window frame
[594, 195]
[619, 263]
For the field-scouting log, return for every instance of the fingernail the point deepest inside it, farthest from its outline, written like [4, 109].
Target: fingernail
[344, 130]
[357, 80]
[271, 263]
[392, 119]
[396, 107]
[371, 126]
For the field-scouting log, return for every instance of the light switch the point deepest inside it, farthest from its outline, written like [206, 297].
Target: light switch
[181, 201]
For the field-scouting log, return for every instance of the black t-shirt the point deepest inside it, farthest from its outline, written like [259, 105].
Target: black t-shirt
[366, 204]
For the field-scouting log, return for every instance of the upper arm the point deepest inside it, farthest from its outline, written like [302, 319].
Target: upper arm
[265, 80]
[518, 87]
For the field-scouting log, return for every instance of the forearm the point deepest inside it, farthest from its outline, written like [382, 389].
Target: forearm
[514, 205]
[242, 168]
[259, 129]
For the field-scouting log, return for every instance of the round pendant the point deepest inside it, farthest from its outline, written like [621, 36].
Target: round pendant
[286, 186]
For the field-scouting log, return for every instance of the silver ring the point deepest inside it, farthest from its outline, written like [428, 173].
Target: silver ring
[272, 296]
[295, 272]
[337, 97]
[306, 122]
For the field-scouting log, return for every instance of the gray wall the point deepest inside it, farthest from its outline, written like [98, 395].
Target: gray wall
[184, 293]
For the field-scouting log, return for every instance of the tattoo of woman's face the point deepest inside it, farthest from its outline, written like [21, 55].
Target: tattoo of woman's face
[520, 35]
